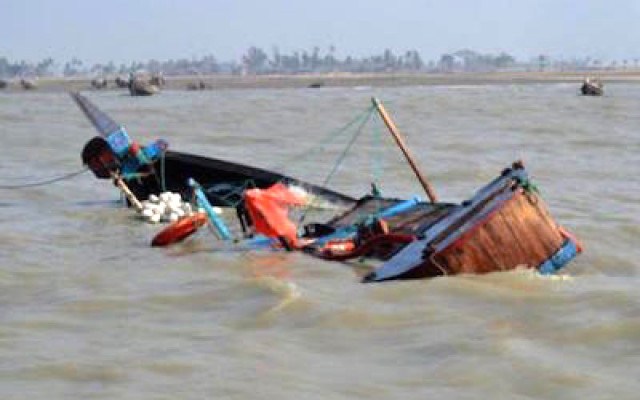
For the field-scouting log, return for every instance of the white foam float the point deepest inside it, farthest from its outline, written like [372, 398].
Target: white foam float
[167, 207]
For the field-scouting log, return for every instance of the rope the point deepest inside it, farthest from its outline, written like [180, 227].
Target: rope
[363, 120]
[346, 150]
[377, 159]
[324, 142]
[162, 176]
[47, 181]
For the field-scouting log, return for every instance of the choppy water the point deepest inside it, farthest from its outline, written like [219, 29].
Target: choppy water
[88, 310]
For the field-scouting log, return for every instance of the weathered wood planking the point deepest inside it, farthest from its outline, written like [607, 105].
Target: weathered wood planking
[519, 232]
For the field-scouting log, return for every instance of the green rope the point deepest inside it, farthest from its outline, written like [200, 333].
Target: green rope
[325, 141]
[344, 153]
[529, 186]
[363, 119]
[162, 175]
[378, 157]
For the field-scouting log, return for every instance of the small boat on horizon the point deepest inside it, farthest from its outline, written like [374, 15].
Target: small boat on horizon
[140, 87]
[99, 83]
[28, 84]
[592, 87]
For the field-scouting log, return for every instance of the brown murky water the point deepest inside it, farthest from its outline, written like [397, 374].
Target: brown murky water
[88, 310]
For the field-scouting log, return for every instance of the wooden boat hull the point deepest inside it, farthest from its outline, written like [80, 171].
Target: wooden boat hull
[504, 226]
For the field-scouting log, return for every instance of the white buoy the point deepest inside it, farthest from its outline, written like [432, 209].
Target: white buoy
[165, 197]
[186, 207]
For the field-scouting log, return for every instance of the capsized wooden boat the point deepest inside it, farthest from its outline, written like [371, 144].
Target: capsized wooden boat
[505, 225]
[153, 169]
[592, 87]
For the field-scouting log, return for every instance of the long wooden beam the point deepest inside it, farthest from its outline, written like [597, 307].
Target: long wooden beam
[405, 150]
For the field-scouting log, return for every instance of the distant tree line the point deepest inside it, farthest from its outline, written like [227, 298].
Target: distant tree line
[257, 61]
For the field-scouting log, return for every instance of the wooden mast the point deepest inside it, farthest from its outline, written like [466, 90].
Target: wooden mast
[405, 150]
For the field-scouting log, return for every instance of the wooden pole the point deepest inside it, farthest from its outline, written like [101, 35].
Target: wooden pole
[405, 150]
[127, 192]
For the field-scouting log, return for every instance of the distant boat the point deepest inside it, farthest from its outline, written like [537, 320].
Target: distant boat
[316, 85]
[592, 87]
[3, 84]
[99, 83]
[157, 80]
[28, 84]
[121, 82]
[141, 87]
[200, 85]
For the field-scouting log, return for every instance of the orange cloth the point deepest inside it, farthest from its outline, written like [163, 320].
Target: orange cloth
[268, 209]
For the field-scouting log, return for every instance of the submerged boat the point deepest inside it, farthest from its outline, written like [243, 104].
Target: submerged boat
[592, 87]
[153, 168]
[505, 225]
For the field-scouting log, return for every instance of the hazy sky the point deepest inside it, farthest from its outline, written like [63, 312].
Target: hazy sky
[126, 30]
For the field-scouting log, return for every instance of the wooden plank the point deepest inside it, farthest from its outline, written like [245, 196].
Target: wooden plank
[547, 234]
[520, 218]
[511, 251]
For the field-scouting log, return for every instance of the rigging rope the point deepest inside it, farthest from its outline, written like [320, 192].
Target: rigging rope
[324, 142]
[344, 153]
[162, 175]
[363, 119]
[47, 181]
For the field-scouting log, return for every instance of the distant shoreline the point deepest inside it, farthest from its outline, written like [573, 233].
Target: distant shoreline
[214, 82]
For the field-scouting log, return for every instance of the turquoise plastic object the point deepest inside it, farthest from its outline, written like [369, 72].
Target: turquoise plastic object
[119, 142]
[202, 201]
